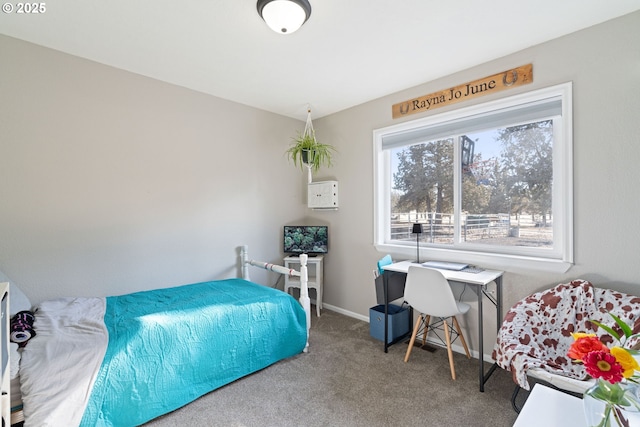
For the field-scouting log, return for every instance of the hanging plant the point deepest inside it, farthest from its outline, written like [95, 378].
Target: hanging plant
[305, 149]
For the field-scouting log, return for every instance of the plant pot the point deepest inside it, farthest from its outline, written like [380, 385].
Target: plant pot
[308, 156]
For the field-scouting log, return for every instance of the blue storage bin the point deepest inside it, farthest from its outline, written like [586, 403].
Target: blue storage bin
[398, 321]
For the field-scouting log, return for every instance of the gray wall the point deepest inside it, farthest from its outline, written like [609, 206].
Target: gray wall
[603, 62]
[112, 182]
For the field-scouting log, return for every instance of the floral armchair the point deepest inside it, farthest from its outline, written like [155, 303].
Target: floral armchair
[536, 333]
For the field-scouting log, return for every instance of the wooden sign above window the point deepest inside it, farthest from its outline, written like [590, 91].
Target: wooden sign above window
[506, 80]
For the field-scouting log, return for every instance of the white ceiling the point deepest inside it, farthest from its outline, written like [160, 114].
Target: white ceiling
[349, 52]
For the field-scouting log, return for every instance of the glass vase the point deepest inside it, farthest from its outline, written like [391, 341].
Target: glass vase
[612, 405]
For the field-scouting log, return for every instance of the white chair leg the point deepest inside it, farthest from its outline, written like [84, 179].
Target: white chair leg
[464, 343]
[413, 337]
[447, 336]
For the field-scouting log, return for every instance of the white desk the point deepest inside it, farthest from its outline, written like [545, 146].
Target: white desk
[548, 407]
[480, 280]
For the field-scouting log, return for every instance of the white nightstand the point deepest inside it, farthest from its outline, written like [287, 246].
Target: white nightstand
[315, 270]
[548, 407]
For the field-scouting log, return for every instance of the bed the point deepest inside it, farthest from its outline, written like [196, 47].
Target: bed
[124, 360]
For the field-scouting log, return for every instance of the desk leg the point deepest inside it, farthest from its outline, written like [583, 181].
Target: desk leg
[385, 281]
[499, 318]
[385, 284]
[483, 377]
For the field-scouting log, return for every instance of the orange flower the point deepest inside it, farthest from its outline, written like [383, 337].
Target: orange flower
[626, 360]
[583, 345]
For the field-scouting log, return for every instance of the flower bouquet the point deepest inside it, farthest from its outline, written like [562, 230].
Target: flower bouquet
[615, 396]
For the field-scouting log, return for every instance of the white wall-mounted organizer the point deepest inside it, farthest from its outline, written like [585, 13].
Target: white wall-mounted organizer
[323, 195]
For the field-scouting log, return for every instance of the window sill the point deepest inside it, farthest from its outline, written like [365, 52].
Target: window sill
[486, 260]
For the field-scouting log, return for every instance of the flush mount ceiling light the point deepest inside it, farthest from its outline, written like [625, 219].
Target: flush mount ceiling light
[284, 16]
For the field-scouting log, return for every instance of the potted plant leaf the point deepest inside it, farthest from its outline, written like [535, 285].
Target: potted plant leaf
[306, 150]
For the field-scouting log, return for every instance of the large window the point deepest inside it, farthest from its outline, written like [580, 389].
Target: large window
[488, 181]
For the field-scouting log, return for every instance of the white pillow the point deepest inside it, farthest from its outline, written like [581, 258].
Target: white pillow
[14, 358]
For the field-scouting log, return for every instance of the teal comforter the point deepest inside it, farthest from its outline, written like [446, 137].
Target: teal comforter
[168, 347]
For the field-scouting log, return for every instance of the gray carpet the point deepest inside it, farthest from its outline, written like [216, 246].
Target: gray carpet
[346, 379]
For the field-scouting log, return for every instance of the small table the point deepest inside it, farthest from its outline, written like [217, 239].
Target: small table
[315, 276]
[549, 407]
[480, 280]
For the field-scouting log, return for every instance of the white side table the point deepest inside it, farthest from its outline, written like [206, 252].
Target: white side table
[549, 407]
[315, 269]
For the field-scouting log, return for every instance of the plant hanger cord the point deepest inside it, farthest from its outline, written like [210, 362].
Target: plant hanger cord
[309, 131]
[308, 127]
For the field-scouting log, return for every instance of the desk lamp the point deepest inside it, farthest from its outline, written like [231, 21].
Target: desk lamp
[417, 230]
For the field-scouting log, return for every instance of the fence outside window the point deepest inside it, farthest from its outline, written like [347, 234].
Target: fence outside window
[499, 229]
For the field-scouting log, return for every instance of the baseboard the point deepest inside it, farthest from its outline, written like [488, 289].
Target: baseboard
[455, 347]
[345, 312]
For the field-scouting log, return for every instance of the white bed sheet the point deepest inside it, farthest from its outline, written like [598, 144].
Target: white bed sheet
[73, 357]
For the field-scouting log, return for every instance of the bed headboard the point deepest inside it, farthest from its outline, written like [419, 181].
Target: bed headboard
[5, 384]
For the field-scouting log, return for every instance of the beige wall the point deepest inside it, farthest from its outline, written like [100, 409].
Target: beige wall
[111, 182]
[604, 64]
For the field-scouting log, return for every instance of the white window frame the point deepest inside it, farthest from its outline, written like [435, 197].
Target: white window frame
[558, 260]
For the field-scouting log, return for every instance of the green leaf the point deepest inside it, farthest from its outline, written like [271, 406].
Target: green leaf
[321, 154]
[625, 328]
[606, 328]
[607, 392]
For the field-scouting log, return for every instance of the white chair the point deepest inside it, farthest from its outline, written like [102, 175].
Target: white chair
[429, 293]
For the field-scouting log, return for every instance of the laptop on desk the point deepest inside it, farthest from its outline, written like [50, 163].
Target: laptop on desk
[446, 265]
